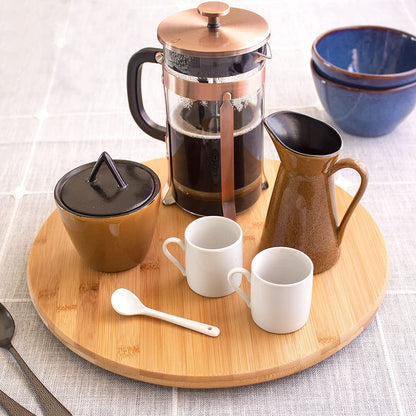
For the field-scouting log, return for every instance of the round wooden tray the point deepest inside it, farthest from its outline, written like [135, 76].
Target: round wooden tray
[74, 303]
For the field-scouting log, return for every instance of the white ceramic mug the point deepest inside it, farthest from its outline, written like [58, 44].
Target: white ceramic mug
[281, 289]
[213, 246]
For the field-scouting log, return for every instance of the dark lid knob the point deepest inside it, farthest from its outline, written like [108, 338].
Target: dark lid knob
[107, 188]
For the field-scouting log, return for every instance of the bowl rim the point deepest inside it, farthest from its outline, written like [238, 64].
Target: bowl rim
[357, 89]
[361, 75]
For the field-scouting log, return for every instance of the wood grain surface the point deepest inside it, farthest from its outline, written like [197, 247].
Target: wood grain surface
[74, 303]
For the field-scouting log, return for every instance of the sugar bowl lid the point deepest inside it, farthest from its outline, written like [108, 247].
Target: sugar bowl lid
[107, 188]
[213, 30]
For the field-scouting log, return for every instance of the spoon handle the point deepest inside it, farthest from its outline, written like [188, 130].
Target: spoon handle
[12, 407]
[51, 406]
[210, 330]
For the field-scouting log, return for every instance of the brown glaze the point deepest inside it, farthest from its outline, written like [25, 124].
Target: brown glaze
[110, 220]
[302, 213]
[112, 244]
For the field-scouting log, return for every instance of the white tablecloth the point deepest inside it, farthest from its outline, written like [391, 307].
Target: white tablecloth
[63, 100]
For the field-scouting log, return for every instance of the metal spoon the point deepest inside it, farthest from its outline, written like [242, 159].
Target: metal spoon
[127, 303]
[51, 406]
[12, 407]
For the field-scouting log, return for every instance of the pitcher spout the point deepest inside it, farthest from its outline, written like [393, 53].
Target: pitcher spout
[300, 137]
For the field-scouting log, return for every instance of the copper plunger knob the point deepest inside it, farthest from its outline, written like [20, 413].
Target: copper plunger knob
[213, 10]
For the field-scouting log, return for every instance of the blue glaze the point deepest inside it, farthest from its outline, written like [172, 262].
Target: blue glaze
[364, 112]
[366, 56]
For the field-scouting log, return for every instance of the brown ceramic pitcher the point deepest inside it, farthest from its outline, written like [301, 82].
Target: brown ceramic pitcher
[302, 213]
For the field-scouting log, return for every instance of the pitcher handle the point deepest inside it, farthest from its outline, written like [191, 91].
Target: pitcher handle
[358, 166]
[134, 91]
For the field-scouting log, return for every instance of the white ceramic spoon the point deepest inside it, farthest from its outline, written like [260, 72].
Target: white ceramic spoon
[127, 303]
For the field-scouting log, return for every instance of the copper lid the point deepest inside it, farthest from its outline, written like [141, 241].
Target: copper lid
[213, 30]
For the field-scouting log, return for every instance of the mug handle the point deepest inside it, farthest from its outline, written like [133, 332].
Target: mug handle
[134, 91]
[358, 166]
[167, 253]
[247, 274]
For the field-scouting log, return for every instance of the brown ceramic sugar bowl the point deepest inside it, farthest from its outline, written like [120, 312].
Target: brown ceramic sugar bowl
[109, 209]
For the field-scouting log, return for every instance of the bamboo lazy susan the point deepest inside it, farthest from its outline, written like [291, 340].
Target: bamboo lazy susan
[74, 303]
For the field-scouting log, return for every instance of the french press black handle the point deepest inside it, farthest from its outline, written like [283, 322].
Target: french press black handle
[134, 92]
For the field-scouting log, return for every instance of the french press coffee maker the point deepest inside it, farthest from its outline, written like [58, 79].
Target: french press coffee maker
[213, 60]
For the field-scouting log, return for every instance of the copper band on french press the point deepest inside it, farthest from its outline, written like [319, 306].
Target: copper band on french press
[227, 157]
[213, 91]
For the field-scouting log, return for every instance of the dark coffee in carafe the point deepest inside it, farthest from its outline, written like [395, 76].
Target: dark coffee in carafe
[194, 135]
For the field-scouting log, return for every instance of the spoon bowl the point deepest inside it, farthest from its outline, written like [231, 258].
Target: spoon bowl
[6, 327]
[127, 303]
[51, 406]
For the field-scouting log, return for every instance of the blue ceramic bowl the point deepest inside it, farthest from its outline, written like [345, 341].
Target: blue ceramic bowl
[366, 56]
[364, 112]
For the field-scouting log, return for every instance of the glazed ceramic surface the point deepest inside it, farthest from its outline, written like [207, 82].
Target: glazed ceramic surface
[115, 243]
[106, 236]
[366, 56]
[281, 289]
[213, 245]
[361, 112]
[302, 212]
